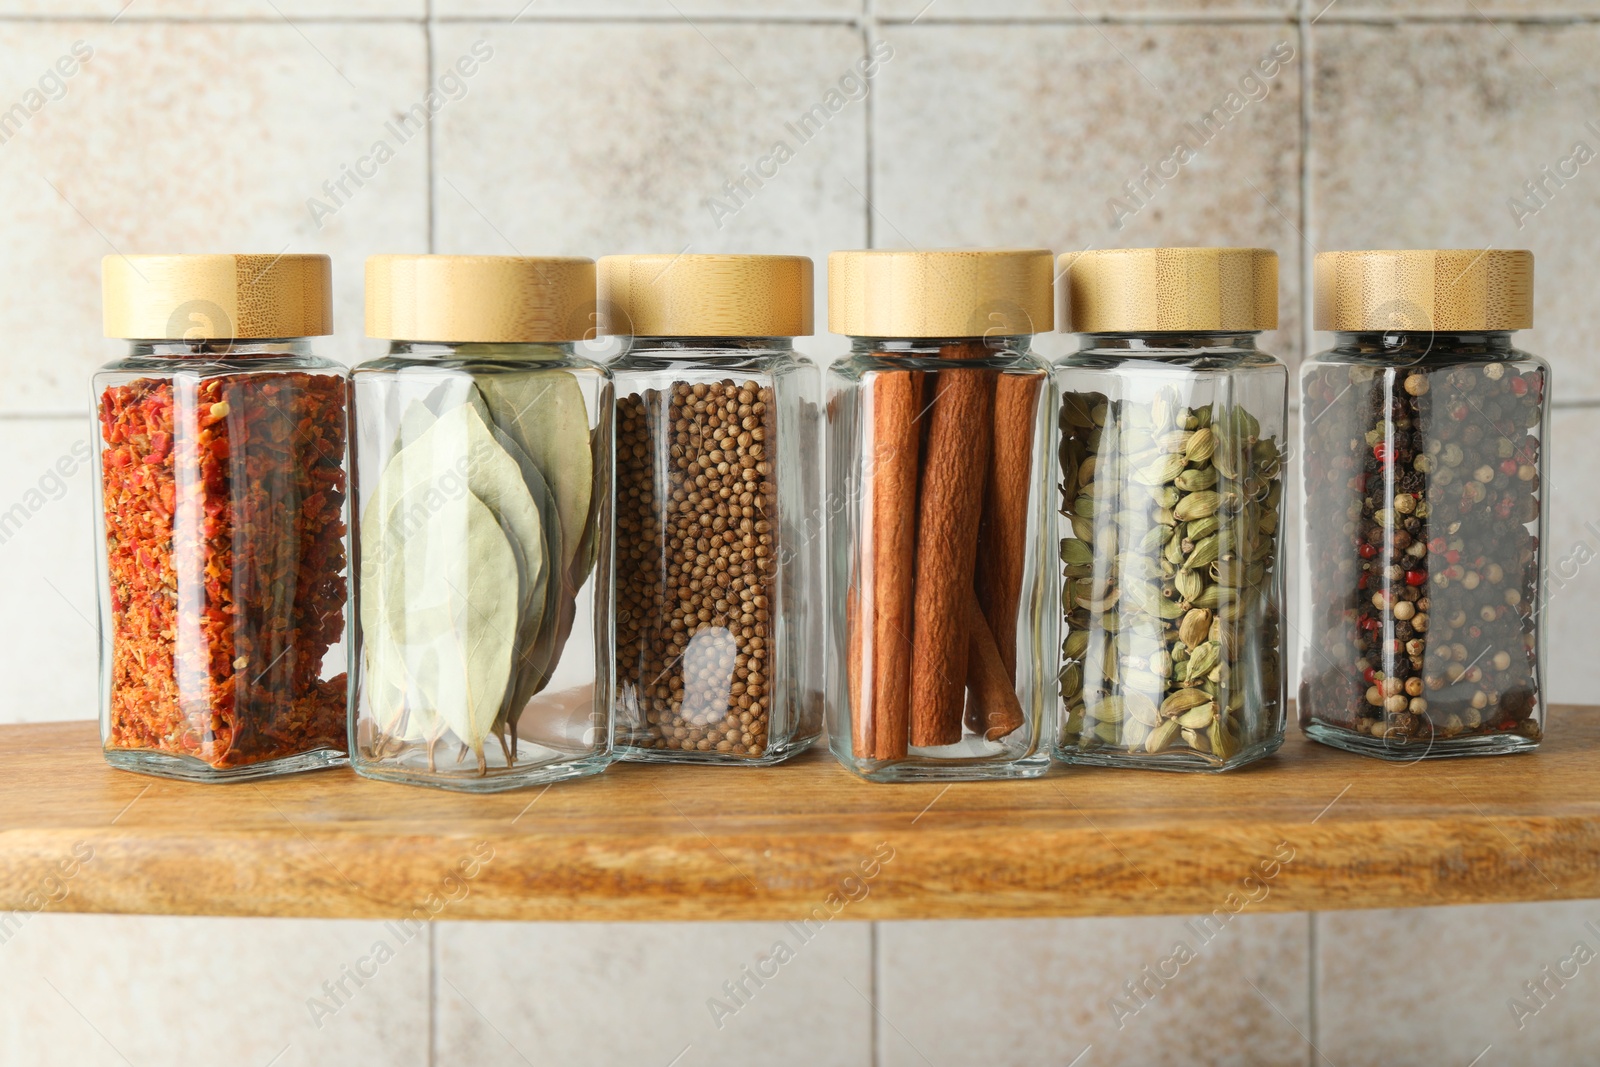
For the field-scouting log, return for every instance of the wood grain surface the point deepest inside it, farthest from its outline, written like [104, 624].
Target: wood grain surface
[791, 842]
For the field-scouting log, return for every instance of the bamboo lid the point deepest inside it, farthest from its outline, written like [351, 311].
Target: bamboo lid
[480, 299]
[1424, 289]
[1164, 290]
[216, 297]
[706, 295]
[973, 292]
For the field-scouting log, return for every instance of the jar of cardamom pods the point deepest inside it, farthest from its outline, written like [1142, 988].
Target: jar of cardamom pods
[938, 502]
[482, 473]
[1171, 488]
[718, 599]
[1424, 467]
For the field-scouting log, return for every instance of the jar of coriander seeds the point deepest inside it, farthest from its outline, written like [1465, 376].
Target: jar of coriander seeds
[222, 536]
[718, 597]
[937, 497]
[1424, 467]
[482, 463]
[1171, 491]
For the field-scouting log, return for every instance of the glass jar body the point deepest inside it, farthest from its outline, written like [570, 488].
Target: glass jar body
[719, 581]
[1171, 490]
[1424, 463]
[483, 550]
[222, 568]
[937, 502]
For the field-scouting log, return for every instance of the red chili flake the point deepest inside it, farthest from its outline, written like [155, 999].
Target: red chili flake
[225, 543]
[1367, 550]
[1416, 577]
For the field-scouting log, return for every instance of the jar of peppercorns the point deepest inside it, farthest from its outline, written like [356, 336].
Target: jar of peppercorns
[1171, 442]
[1424, 464]
[719, 530]
[482, 481]
[222, 537]
[937, 495]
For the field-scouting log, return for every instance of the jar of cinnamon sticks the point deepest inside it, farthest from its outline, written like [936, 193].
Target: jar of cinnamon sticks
[718, 597]
[938, 494]
[1171, 490]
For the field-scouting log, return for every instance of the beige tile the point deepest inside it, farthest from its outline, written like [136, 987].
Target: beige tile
[1436, 985]
[47, 506]
[98, 989]
[668, 9]
[544, 158]
[1479, 120]
[936, 10]
[271, 10]
[995, 992]
[1572, 556]
[187, 137]
[1027, 134]
[635, 993]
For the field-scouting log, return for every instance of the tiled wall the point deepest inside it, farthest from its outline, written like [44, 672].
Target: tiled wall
[606, 125]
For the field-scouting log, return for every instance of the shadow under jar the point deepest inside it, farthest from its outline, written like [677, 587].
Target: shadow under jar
[937, 498]
[222, 536]
[1170, 450]
[1424, 470]
[719, 547]
[483, 474]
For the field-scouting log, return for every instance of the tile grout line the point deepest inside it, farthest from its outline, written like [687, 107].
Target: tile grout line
[427, 82]
[874, 1033]
[1307, 253]
[1311, 987]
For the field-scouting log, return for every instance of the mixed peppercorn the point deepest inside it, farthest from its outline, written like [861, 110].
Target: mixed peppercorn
[1423, 502]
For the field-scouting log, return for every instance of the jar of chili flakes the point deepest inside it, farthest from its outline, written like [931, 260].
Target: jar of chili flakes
[222, 568]
[1424, 432]
[719, 546]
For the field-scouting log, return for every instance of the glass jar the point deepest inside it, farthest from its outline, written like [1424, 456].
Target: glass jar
[938, 498]
[1424, 466]
[222, 537]
[1172, 430]
[482, 462]
[719, 584]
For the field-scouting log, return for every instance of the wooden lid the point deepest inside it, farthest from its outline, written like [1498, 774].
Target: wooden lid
[1424, 289]
[217, 297]
[974, 292]
[480, 299]
[1167, 290]
[706, 295]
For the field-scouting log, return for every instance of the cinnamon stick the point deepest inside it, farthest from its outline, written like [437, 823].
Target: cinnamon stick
[892, 492]
[1005, 510]
[948, 512]
[994, 709]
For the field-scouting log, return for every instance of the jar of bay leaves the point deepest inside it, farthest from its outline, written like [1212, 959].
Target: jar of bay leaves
[1424, 461]
[1171, 447]
[939, 505]
[719, 527]
[482, 471]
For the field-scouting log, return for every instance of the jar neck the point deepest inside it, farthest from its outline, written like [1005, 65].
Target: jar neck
[1414, 345]
[532, 351]
[731, 345]
[898, 347]
[1165, 343]
[220, 349]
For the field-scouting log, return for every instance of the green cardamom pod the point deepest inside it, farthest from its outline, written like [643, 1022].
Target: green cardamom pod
[1223, 745]
[1199, 528]
[1161, 737]
[1076, 551]
[1161, 471]
[1076, 644]
[1174, 441]
[1201, 661]
[1153, 539]
[1166, 516]
[1196, 479]
[1197, 506]
[1174, 549]
[1083, 507]
[1182, 700]
[1204, 554]
[1106, 709]
[1075, 408]
[1071, 679]
[1202, 444]
[1082, 528]
[1166, 496]
[1199, 717]
[1138, 706]
[1189, 584]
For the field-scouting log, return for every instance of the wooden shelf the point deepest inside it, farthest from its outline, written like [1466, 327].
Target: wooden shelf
[693, 843]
